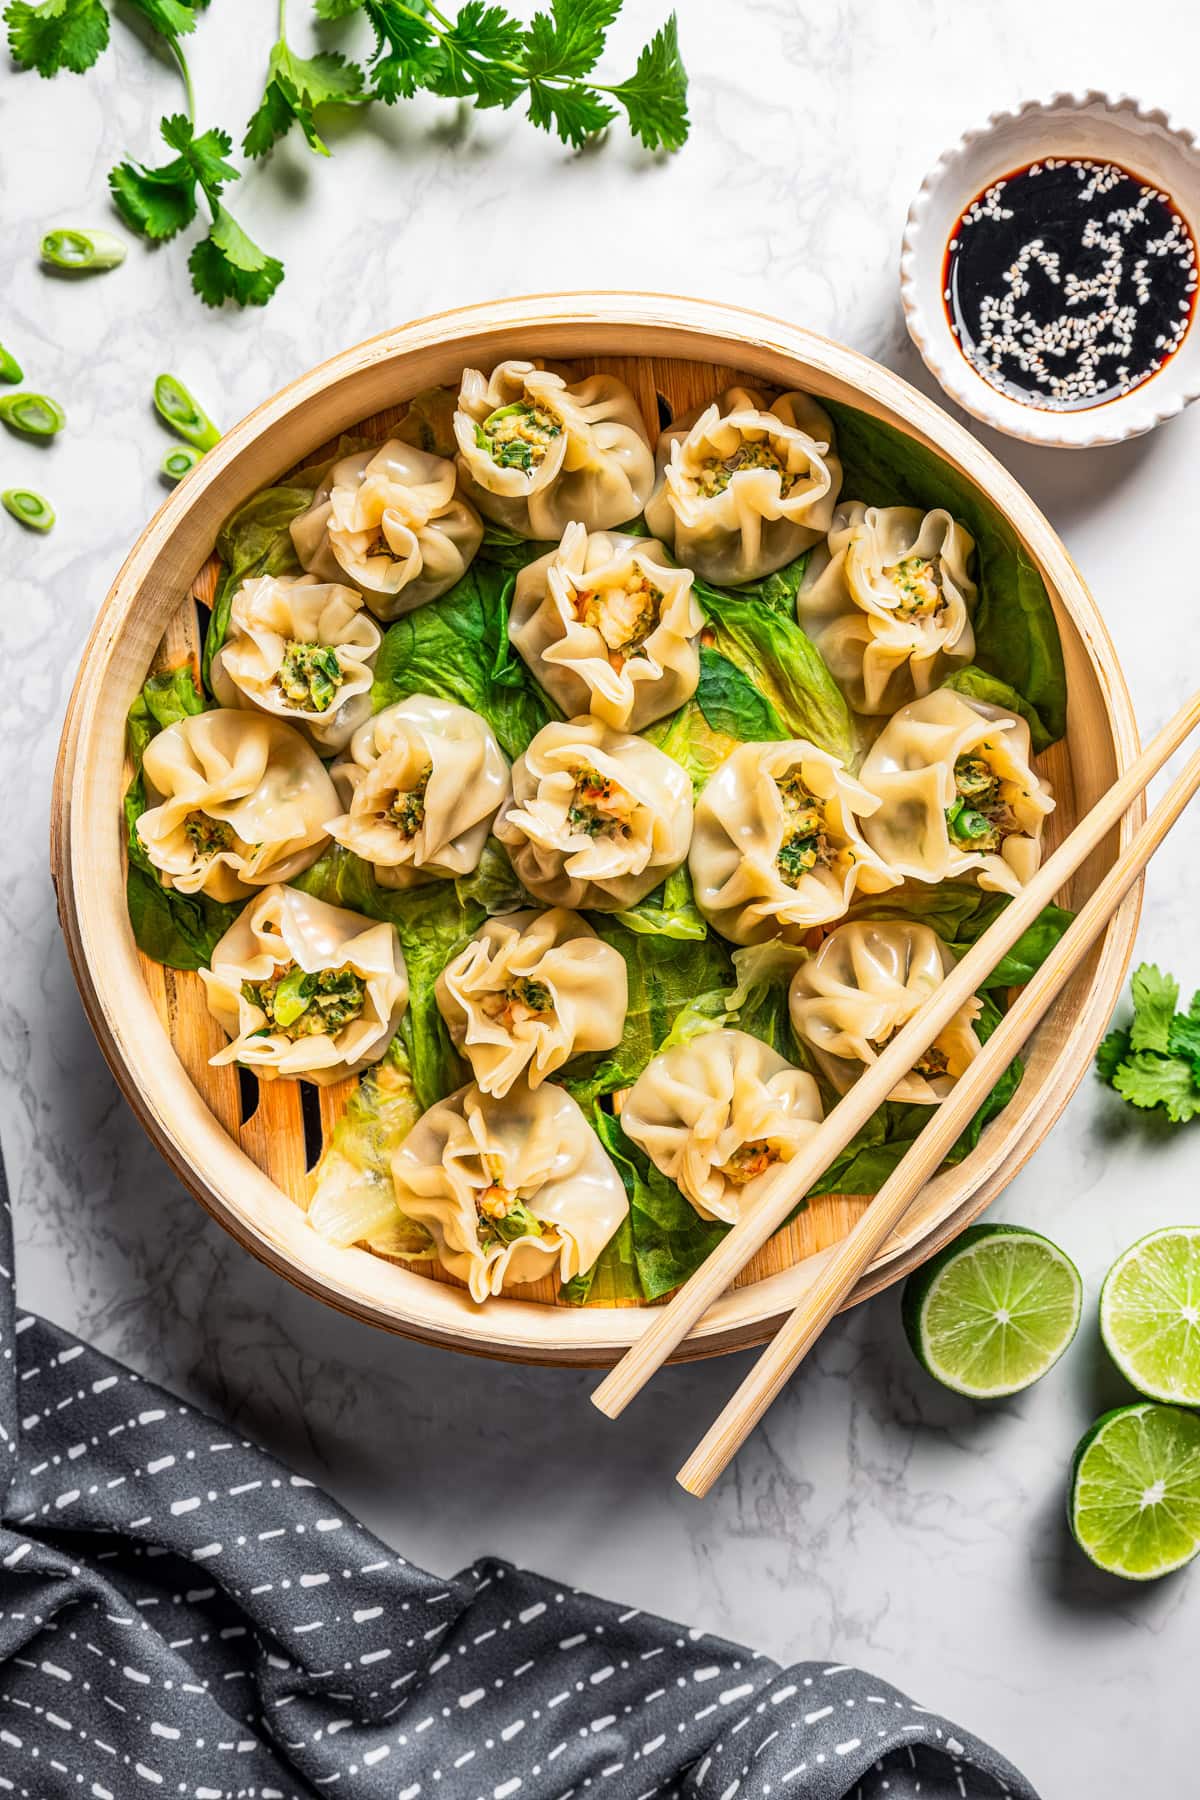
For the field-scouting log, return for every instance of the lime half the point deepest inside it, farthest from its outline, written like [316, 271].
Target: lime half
[993, 1311]
[1135, 1491]
[1150, 1314]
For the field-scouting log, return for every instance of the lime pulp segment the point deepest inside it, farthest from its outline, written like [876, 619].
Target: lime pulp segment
[994, 1311]
[1135, 1491]
[1150, 1314]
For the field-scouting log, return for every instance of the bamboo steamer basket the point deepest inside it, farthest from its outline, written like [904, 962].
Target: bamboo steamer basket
[247, 1160]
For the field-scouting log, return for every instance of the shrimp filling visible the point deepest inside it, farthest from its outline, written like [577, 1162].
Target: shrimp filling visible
[407, 809]
[520, 1001]
[519, 436]
[917, 581]
[716, 472]
[600, 807]
[300, 1004]
[501, 1216]
[804, 845]
[749, 1161]
[624, 616]
[309, 676]
[979, 818]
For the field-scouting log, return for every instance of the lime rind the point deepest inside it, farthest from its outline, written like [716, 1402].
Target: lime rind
[1150, 1315]
[1134, 1499]
[994, 1311]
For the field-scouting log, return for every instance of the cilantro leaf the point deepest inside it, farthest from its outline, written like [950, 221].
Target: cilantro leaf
[336, 9]
[1183, 1038]
[228, 265]
[160, 202]
[1154, 1000]
[296, 87]
[574, 112]
[478, 57]
[1147, 1080]
[655, 96]
[1111, 1054]
[173, 18]
[406, 55]
[57, 34]
[569, 40]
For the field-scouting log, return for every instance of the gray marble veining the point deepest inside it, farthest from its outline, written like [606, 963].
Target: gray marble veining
[873, 1516]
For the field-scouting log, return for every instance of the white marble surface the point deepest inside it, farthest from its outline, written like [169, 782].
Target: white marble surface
[873, 1517]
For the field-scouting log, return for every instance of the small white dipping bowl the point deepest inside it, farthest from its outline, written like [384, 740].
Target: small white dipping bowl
[1089, 125]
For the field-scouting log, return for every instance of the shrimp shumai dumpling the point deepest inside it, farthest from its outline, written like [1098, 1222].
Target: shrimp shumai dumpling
[598, 817]
[716, 1114]
[237, 800]
[956, 792]
[535, 452]
[424, 780]
[304, 988]
[744, 487]
[888, 602]
[777, 846]
[302, 649]
[530, 990]
[509, 1188]
[608, 628]
[862, 985]
[391, 521]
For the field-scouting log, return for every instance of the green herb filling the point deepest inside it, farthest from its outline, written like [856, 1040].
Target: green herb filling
[804, 845]
[299, 1005]
[717, 472]
[407, 811]
[502, 1217]
[600, 807]
[523, 999]
[207, 835]
[917, 581]
[309, 676]
[624, 617]
[749, 1161]
[518, 436]
[978, 819]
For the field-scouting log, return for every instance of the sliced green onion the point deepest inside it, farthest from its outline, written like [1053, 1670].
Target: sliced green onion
[179, 461]
[82, 252]
[28, 508]
[10, 368]
[184, 414]
[35, 414]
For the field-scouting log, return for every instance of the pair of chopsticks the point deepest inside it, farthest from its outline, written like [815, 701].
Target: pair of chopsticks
[792, 1180]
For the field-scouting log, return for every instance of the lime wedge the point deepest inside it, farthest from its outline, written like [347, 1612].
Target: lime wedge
[1150, 1314]
[1135, 1491]
[993, 1311]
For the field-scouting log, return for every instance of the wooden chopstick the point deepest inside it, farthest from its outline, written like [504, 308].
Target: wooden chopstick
[668, 1327]
[857, 1250]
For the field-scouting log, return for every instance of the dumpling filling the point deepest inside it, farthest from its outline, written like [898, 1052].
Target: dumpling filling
[299, 1004]
[518, 436]
[979, 819]
[716, 472]
[407, 810]
[932, 1063]
[917, 581]
[500, 1213]
[600, 807]
[207, 835]
[749, 1161]
[522, 1000]
[309, 676]
[624, 616]
[804, 845]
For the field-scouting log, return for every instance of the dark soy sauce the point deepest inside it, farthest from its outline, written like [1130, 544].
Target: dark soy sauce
[1069, 282]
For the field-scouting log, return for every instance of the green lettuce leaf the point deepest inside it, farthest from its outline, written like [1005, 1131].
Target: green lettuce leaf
[1016, 635]
[254, 541]
[960, 914]
[457, 648]
[353, 1198]
[666, 1235]
[669, 911]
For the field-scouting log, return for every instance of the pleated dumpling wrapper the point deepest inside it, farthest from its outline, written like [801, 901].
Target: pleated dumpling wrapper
[957, 793]
[862, 984]
[536, 452]
[303, 650]
[509, 1188]
[424, 780]
[530, 990]
[744, 487]
[888, 601]
[716, 1114]
[608, 628]
[305, 989]
[598, 817]
[391, 522]
[237, 800]
[777, 846]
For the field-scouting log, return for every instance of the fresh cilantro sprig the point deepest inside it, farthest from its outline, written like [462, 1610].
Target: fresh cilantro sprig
[71, 34]
[485, 55]
[296, 87]
[1155, 1061]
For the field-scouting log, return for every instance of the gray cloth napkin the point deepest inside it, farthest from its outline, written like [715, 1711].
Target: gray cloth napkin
[180, 1614]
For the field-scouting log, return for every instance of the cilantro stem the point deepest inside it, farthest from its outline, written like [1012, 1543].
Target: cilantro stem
[181, 60]
[283, 18]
